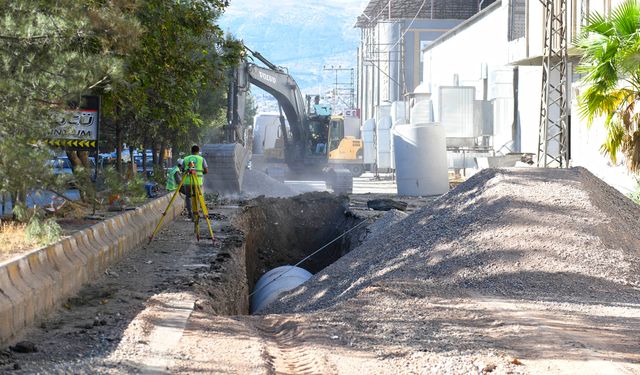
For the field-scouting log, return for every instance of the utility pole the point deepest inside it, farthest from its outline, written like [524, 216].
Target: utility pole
[341, 89]
[553, 142]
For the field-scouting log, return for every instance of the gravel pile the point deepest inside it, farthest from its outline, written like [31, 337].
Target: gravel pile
[545, 235]
[257, 183]
[390, 218]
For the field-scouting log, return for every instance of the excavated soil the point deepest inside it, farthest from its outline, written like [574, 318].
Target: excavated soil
[285, 231]
[513, 272]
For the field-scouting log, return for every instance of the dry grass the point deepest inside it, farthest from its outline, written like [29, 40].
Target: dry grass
[13, 239]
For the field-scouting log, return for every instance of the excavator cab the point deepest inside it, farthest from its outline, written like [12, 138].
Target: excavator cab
[319, 130]
[345, 147]
[336, 133]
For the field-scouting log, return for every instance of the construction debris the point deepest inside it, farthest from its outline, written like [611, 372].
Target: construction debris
[386, 204]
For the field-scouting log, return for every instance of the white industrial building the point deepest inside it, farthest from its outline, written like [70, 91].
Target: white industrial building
[393, 33]
[391, 64]
[485, 80]
[499, 53]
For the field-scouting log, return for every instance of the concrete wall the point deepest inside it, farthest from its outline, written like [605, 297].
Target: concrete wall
[32, 285]
[530, 46]
[529, 86]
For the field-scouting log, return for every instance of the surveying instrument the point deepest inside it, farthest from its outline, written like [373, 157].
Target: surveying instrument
[197, 202]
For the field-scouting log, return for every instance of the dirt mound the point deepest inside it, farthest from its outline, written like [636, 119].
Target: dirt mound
[384, 222]
[551, 235]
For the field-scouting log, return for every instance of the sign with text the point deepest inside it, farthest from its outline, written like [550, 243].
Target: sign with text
[80, 125]
[353, 112]
[77, 129]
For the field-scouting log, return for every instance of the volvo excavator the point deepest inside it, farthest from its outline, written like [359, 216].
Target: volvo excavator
[306, 143]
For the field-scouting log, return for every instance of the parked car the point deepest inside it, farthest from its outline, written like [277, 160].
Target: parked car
[62, 164]
[148, 162]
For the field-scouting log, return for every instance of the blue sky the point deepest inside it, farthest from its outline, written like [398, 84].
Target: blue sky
[302, 36]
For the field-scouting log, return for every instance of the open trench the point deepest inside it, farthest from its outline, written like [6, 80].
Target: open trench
[270, 232]
[134, 314]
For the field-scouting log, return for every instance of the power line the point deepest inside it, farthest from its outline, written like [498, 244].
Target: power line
[379, 13]
[408, 27]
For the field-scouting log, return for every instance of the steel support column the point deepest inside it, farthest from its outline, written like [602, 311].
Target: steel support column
[554, 107]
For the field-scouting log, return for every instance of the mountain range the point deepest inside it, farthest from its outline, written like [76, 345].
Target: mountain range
[304, 37]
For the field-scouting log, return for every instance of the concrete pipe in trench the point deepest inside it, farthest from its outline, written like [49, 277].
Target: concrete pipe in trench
[275, 282]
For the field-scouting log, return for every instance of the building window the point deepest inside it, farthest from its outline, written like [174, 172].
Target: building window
[517, 19]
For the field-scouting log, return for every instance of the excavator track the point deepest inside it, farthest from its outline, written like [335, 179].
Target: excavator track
[227, 163]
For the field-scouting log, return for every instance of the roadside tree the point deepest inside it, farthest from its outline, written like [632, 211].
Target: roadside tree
[610, 63]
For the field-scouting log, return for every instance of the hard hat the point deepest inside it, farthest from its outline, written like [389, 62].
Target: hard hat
[180, 162]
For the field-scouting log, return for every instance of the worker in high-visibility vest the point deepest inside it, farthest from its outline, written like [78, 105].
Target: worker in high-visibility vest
[174, 176]
[197, 163]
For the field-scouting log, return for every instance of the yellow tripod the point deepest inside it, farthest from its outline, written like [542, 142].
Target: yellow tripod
[197, 204]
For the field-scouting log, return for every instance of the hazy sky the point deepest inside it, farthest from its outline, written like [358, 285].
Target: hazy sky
[304, 36]
[283, 8]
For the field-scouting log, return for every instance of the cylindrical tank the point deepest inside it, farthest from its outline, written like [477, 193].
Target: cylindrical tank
[421, 159]
[422, 111]
[384, 141]
[398, 112]
[274, 282]
[369, 138]
[266, 130]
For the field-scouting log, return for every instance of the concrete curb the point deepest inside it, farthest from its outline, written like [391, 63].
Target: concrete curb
[35, 283]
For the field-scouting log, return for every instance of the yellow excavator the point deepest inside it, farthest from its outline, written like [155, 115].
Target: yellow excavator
[315, 144]
[346, 149]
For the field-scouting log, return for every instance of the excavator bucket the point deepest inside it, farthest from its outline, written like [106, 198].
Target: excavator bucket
[227, 163]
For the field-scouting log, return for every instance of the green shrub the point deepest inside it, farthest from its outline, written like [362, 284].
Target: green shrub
[113, 181]
[136, 191]
[43, 231]
[159, 175]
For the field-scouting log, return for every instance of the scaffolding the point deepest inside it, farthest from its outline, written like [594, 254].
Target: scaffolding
[343, 92]
[384, 24]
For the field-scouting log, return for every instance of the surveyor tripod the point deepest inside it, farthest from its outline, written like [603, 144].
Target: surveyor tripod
[194, 193]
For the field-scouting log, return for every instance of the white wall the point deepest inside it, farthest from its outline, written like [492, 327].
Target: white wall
[529, 86]
[485, 42]
[481, 42]
[585, 149]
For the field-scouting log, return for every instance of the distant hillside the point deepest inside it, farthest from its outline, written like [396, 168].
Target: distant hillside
[302, 36]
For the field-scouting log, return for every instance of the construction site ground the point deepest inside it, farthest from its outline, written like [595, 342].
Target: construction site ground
[513, 272]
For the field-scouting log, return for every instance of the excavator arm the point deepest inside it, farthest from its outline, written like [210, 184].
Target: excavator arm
[230, 159]
[285, 89]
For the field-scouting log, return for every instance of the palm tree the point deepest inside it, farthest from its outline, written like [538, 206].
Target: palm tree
[611, 66]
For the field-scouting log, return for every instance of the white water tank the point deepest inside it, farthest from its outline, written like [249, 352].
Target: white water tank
[266, 130]
[422, 111]
[384, 143]
[421, 159]
[398, 112]
[369, 139]
[275, 282]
